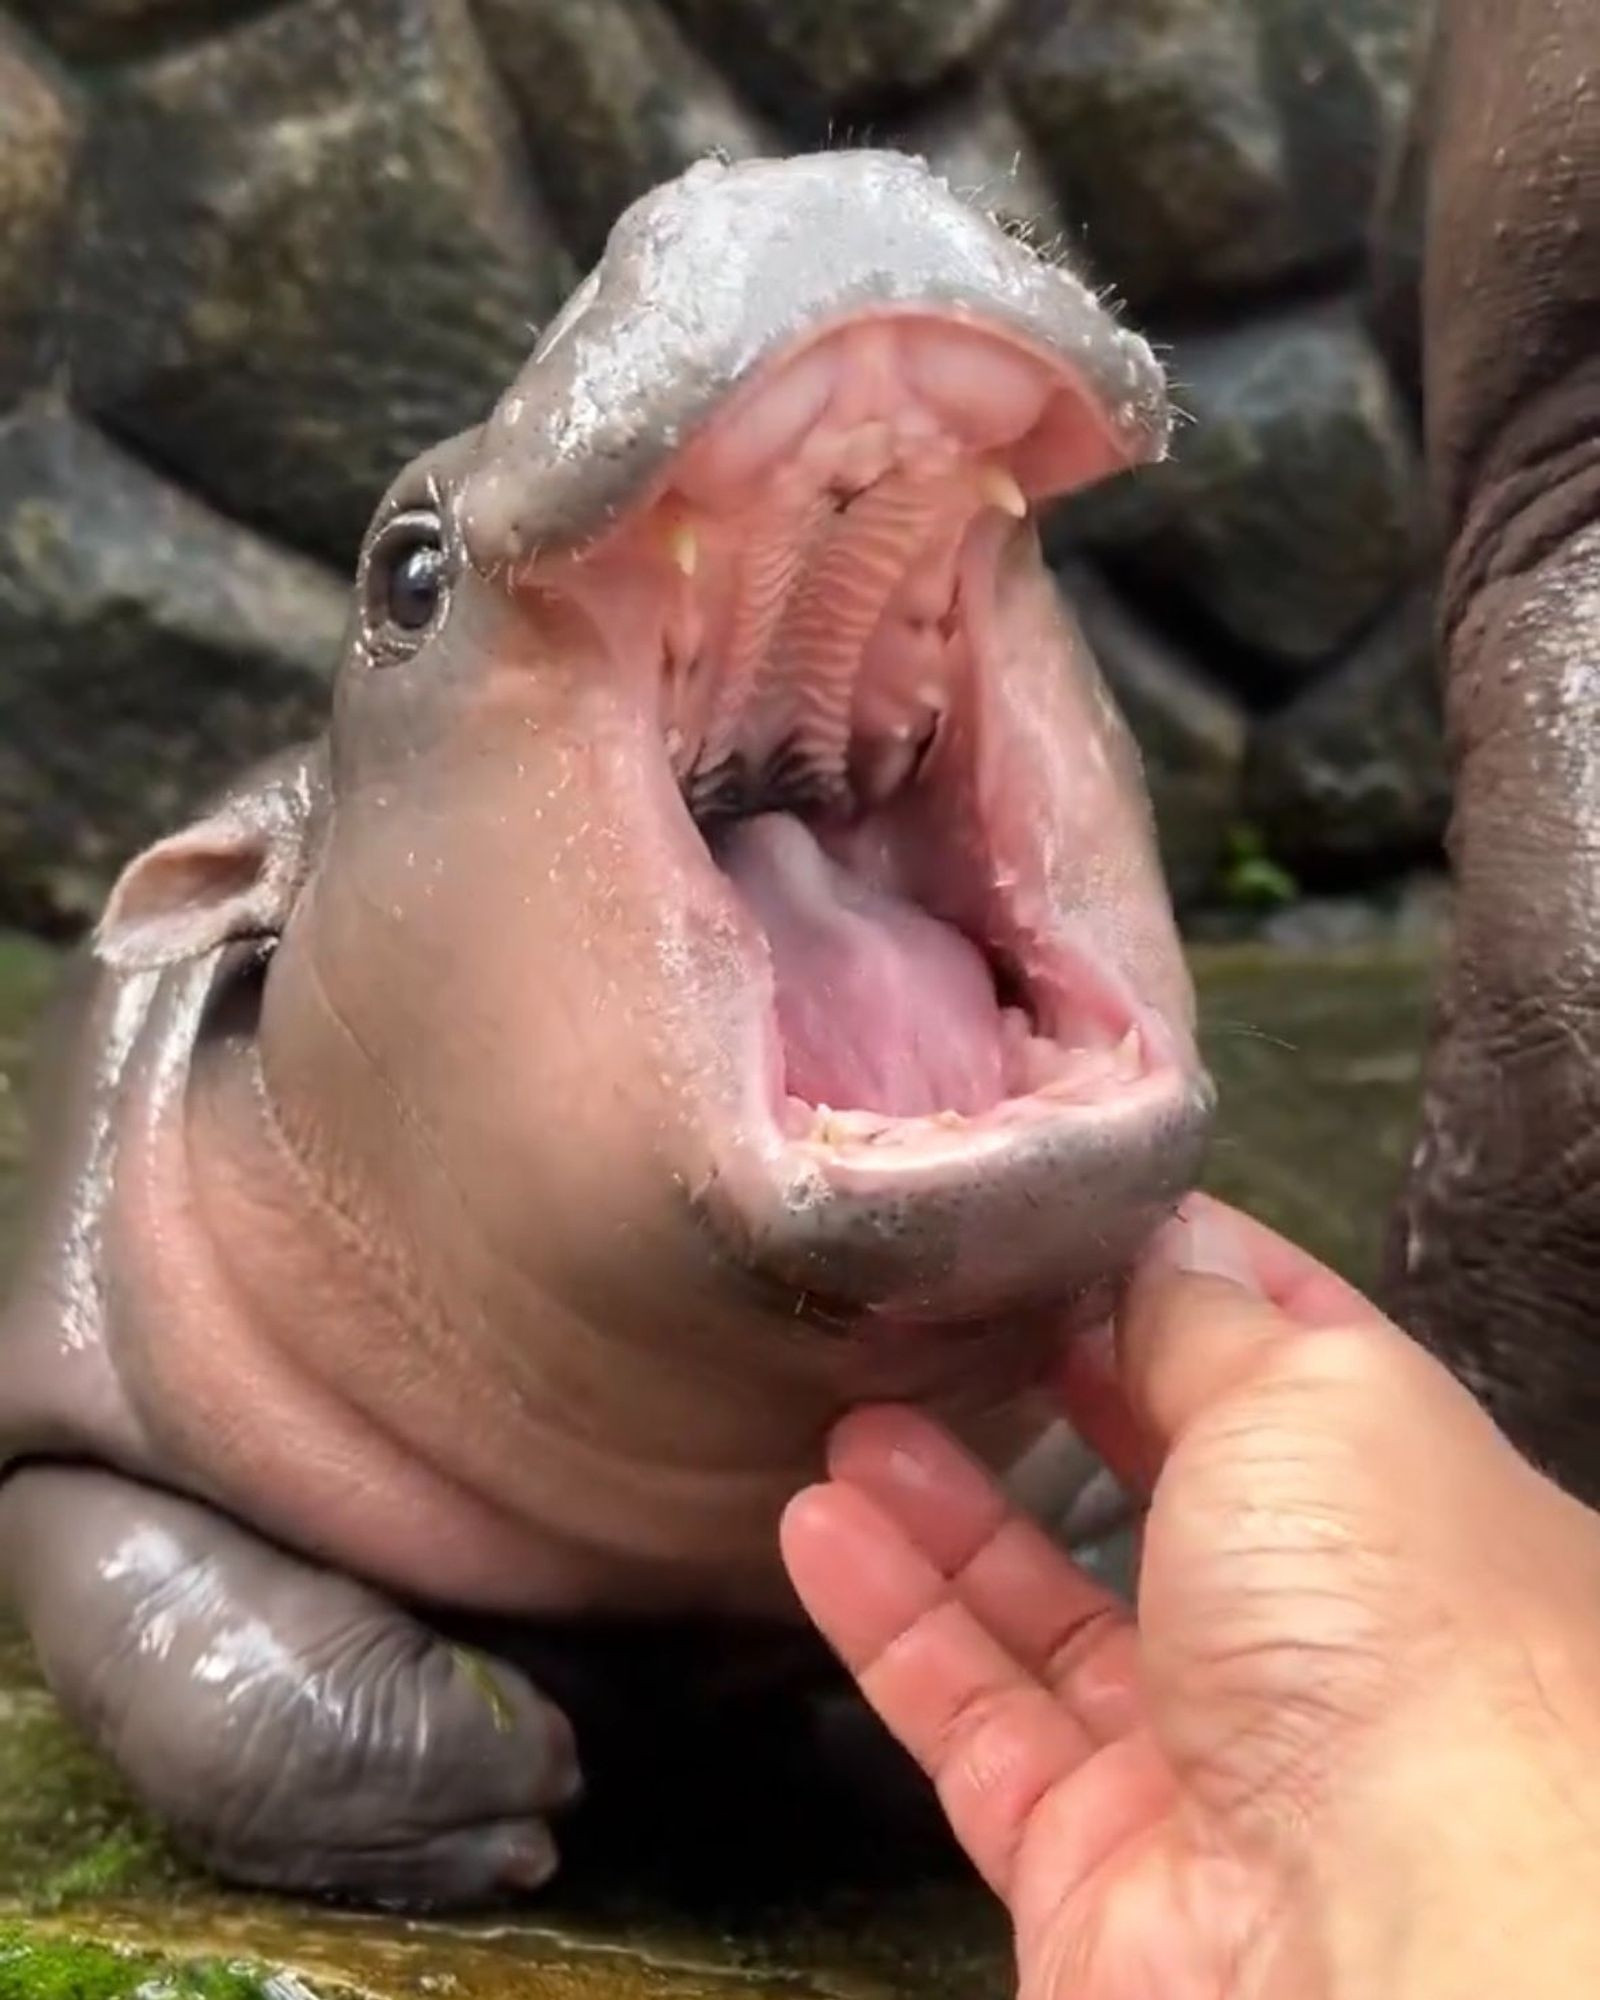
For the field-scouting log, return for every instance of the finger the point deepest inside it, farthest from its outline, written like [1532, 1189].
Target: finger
[1196, 1323]
[1207, 1238]
[1058, 1623]
[992, 1740]
[1114, 1801]
[1094, 1401]
[1211, 1234]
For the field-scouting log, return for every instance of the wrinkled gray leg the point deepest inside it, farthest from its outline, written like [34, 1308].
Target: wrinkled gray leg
[292, 1728]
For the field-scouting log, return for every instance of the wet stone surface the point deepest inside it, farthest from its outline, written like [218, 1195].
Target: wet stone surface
[148, 649]
[99, 31]
[1316, 1052]
[1154, 118]
[1214, 146]
[363, 153]
[1191, 734]
[806, 60]
[1354, 768]
[1398, 226]
[611, 99]
[1288, 517]
[39, 132]
[1341, 77]
[298, 240]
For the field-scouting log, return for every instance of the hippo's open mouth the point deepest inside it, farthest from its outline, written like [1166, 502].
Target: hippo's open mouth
[838, 706]
[963, 1055]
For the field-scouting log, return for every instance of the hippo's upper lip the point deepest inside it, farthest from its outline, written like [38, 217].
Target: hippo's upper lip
[706, 279]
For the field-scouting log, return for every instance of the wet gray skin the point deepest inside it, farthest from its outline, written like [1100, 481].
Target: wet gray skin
[1495, 1252]
[715, 972]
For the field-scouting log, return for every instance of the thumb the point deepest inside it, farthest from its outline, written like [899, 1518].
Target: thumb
[1196, 1324]
[1215, 1300]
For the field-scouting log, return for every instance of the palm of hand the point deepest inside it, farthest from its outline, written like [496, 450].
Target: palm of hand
[1153, 1803]
[1016, 1681]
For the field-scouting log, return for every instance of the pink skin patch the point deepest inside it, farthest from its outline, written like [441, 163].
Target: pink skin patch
[881, 1007]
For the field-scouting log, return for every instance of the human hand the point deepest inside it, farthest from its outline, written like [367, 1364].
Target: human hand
[1352, 1744]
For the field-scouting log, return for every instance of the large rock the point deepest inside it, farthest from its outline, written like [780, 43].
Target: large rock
[1212, 145]
[802, 59]
[1399, 228]
[1155, 119]
[1290, 512]
[105, 30]
[1191, 733]
[1351, 777]
[1340, 73]
[310, 251]
[39, 129]
[612, 100]
[147, 650]
[301, 239]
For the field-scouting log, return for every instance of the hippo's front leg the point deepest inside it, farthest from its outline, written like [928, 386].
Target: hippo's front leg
[292, 1728]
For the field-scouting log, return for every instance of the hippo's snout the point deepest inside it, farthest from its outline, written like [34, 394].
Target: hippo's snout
[779, 460]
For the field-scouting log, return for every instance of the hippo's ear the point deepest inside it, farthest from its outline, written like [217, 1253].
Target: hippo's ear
[224, 878]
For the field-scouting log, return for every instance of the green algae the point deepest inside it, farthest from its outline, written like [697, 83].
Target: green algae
[27, 973]
[33, 1967]
[481, 1674]
[128, 1858]
[67, 1830]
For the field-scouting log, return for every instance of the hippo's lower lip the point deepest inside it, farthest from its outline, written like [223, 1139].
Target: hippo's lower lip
[856, 660]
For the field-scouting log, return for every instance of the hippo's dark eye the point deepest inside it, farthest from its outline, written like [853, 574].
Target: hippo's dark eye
[409, 575]
[414, 587]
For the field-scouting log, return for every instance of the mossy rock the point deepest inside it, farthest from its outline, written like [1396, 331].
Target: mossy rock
[36, 1967]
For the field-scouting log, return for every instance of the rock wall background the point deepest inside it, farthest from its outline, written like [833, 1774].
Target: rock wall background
[253, 256]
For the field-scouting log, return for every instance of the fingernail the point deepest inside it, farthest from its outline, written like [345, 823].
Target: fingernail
[1200, 1241]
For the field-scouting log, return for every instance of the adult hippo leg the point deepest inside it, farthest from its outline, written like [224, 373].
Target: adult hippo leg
[294, 1729]
[1496, 1254]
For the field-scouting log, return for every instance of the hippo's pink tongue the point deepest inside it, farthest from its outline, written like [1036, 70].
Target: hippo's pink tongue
[881, 1007]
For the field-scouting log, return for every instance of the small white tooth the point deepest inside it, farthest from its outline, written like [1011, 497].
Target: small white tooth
[825, 1128]
[1000, 489]
[882, 771]
[1127, 1058]
[684, 546]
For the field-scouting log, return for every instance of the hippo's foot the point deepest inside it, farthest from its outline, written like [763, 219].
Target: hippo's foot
[292, 1728]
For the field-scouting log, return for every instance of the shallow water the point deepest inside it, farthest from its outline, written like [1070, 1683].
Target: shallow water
[1316, 1055]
